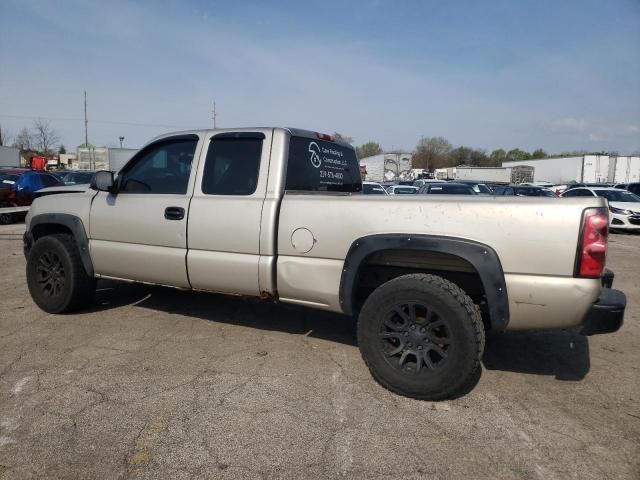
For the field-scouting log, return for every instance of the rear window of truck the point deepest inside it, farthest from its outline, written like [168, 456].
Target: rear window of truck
[320, 166]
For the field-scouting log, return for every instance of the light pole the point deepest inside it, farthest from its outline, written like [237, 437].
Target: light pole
[121, 140]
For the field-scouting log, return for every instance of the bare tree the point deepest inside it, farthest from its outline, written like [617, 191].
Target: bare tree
[23, 140]
[432, 153]
[5, 137]
[45, 138]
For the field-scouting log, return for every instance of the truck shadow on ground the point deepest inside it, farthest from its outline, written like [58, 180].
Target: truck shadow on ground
[563, 354]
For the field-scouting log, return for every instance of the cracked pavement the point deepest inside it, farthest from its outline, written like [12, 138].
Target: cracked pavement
[161, 383]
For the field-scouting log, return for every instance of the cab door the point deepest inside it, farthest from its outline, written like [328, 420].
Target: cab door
[225, 215]
[140, 233]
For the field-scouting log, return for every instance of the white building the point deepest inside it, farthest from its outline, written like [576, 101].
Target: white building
[585, 168]
[387, 167]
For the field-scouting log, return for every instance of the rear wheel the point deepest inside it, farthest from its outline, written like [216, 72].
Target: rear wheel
[57, 280]
[421, 336]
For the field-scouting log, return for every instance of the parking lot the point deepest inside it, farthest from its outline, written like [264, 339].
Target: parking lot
[159, 383]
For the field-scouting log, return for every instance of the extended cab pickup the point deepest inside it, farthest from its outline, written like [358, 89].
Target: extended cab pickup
[279, 214]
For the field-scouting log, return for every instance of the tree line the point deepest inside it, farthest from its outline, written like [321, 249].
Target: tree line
[41, 138]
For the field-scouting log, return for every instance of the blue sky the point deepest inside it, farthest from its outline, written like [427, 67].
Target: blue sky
[560, 75]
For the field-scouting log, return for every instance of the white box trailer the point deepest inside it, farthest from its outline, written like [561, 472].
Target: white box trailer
[504, 175]
[387, 167]
[558, 170]
[596, 169]
[484, 174]
[584, 168]
[103, 158]
[626, 170]
[9, 157]
[118, 157]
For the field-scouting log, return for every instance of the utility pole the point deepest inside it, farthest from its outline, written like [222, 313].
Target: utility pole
[215, 115]
[86, 134]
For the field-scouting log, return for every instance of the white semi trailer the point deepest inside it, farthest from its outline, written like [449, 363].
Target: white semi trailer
[9, 156]
[504, 175]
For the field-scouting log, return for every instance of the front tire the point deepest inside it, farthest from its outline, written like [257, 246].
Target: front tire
[421, 336]
[57, 280]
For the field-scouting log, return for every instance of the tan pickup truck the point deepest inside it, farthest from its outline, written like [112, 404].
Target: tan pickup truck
[278, 213]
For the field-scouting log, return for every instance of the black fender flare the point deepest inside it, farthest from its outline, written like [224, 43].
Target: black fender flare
[74, 224]
[483, 258]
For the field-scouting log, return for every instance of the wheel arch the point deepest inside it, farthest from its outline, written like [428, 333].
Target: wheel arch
[52, 223]
[481, 257]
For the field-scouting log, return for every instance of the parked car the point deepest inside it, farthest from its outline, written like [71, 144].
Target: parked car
[18, 187]
[447, 188]
[478, 187]
[402, 190]
[76, 177]
[20, 184]
[624, 206]
[372, 188]
[633, 187]
[524, 191]
[271, 215]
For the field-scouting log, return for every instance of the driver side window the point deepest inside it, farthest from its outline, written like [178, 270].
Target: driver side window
[162, 167]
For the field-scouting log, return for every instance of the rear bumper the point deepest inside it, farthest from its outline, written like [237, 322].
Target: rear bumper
[607, 314]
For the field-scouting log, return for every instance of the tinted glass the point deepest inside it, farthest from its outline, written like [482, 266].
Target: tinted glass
[451, 190]
[50, 180]
[373, 189]
[618, 196]
[75, 178]
[320, 166]
[634, 188]
[162, 167]
[579, 192]
[232, 165]
[483, 188]
[405, 191]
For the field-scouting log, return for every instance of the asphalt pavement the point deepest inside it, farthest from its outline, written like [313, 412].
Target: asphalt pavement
[160, 383]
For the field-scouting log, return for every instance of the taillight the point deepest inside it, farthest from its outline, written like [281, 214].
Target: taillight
[324, 136]
[593, 244]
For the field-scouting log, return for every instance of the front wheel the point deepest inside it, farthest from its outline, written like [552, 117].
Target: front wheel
[57, 280]
[421, 336]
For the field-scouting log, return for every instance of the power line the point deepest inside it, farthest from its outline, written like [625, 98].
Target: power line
[108, 122]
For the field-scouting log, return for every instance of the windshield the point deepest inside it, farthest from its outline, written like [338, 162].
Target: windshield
[373, 189]
[404, 191]
[618, 196]
[75, 178]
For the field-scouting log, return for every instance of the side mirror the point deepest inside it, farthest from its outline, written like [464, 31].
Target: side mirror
[103, 181]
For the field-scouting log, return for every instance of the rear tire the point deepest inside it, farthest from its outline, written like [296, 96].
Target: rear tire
[422, 337]
[57, 280]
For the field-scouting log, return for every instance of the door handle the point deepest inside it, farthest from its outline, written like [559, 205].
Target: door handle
[174, 213]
